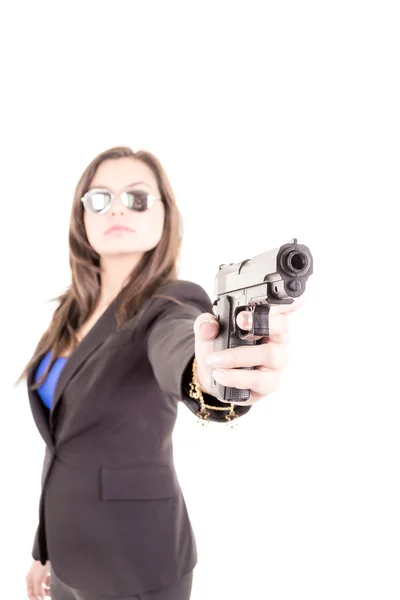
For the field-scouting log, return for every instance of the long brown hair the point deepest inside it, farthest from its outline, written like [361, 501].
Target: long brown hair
[156, 267]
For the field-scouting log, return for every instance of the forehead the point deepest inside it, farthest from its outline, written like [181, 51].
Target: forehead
[116, 174]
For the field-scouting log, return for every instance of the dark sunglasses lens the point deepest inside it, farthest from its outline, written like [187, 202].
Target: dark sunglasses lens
[136, 201]
[97, 201]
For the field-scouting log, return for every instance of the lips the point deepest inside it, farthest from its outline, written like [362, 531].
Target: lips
[119, 228]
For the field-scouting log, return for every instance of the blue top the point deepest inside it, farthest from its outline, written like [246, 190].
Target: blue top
[46, 390]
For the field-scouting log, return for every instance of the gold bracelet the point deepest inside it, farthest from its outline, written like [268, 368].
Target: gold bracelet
[195, 392]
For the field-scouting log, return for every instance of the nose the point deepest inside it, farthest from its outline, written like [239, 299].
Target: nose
[117, 207]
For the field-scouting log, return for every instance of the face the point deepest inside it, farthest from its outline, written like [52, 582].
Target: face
[121, 230]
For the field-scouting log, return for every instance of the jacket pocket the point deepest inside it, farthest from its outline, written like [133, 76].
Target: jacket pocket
[138, 483]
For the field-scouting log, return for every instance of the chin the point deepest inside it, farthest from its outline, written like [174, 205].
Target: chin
[123, 250]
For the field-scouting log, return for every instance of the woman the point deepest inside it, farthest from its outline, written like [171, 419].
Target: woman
[125, 344]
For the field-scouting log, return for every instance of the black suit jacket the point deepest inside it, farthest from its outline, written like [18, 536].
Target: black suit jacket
[112, 517]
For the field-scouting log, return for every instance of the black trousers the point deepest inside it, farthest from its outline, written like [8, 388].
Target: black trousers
[177, 591]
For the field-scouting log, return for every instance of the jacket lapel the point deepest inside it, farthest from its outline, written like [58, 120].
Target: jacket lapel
[105, 326]
[97, 335]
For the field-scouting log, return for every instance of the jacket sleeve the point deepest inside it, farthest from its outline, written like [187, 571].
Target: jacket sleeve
[35, 549]
[46, 461]
[171, 344]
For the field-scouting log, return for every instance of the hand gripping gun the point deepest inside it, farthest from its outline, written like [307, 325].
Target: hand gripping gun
[275, 277]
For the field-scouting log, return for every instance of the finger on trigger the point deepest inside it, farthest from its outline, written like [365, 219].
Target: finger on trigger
[245, 320]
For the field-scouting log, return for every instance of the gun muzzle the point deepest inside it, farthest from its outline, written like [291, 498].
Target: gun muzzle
[294, 265]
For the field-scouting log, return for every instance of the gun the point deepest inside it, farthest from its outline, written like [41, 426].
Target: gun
[275, 277]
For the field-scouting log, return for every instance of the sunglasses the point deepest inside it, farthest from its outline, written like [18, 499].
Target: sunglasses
[99, 200]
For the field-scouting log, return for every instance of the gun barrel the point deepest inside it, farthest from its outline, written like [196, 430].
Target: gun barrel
[289, 264]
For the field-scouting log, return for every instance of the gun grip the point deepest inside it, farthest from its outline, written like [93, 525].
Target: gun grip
[228, 338]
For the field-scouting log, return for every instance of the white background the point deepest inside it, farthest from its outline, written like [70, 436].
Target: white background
[273, 121]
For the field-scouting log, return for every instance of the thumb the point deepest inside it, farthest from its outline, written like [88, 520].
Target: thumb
[206, 328]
